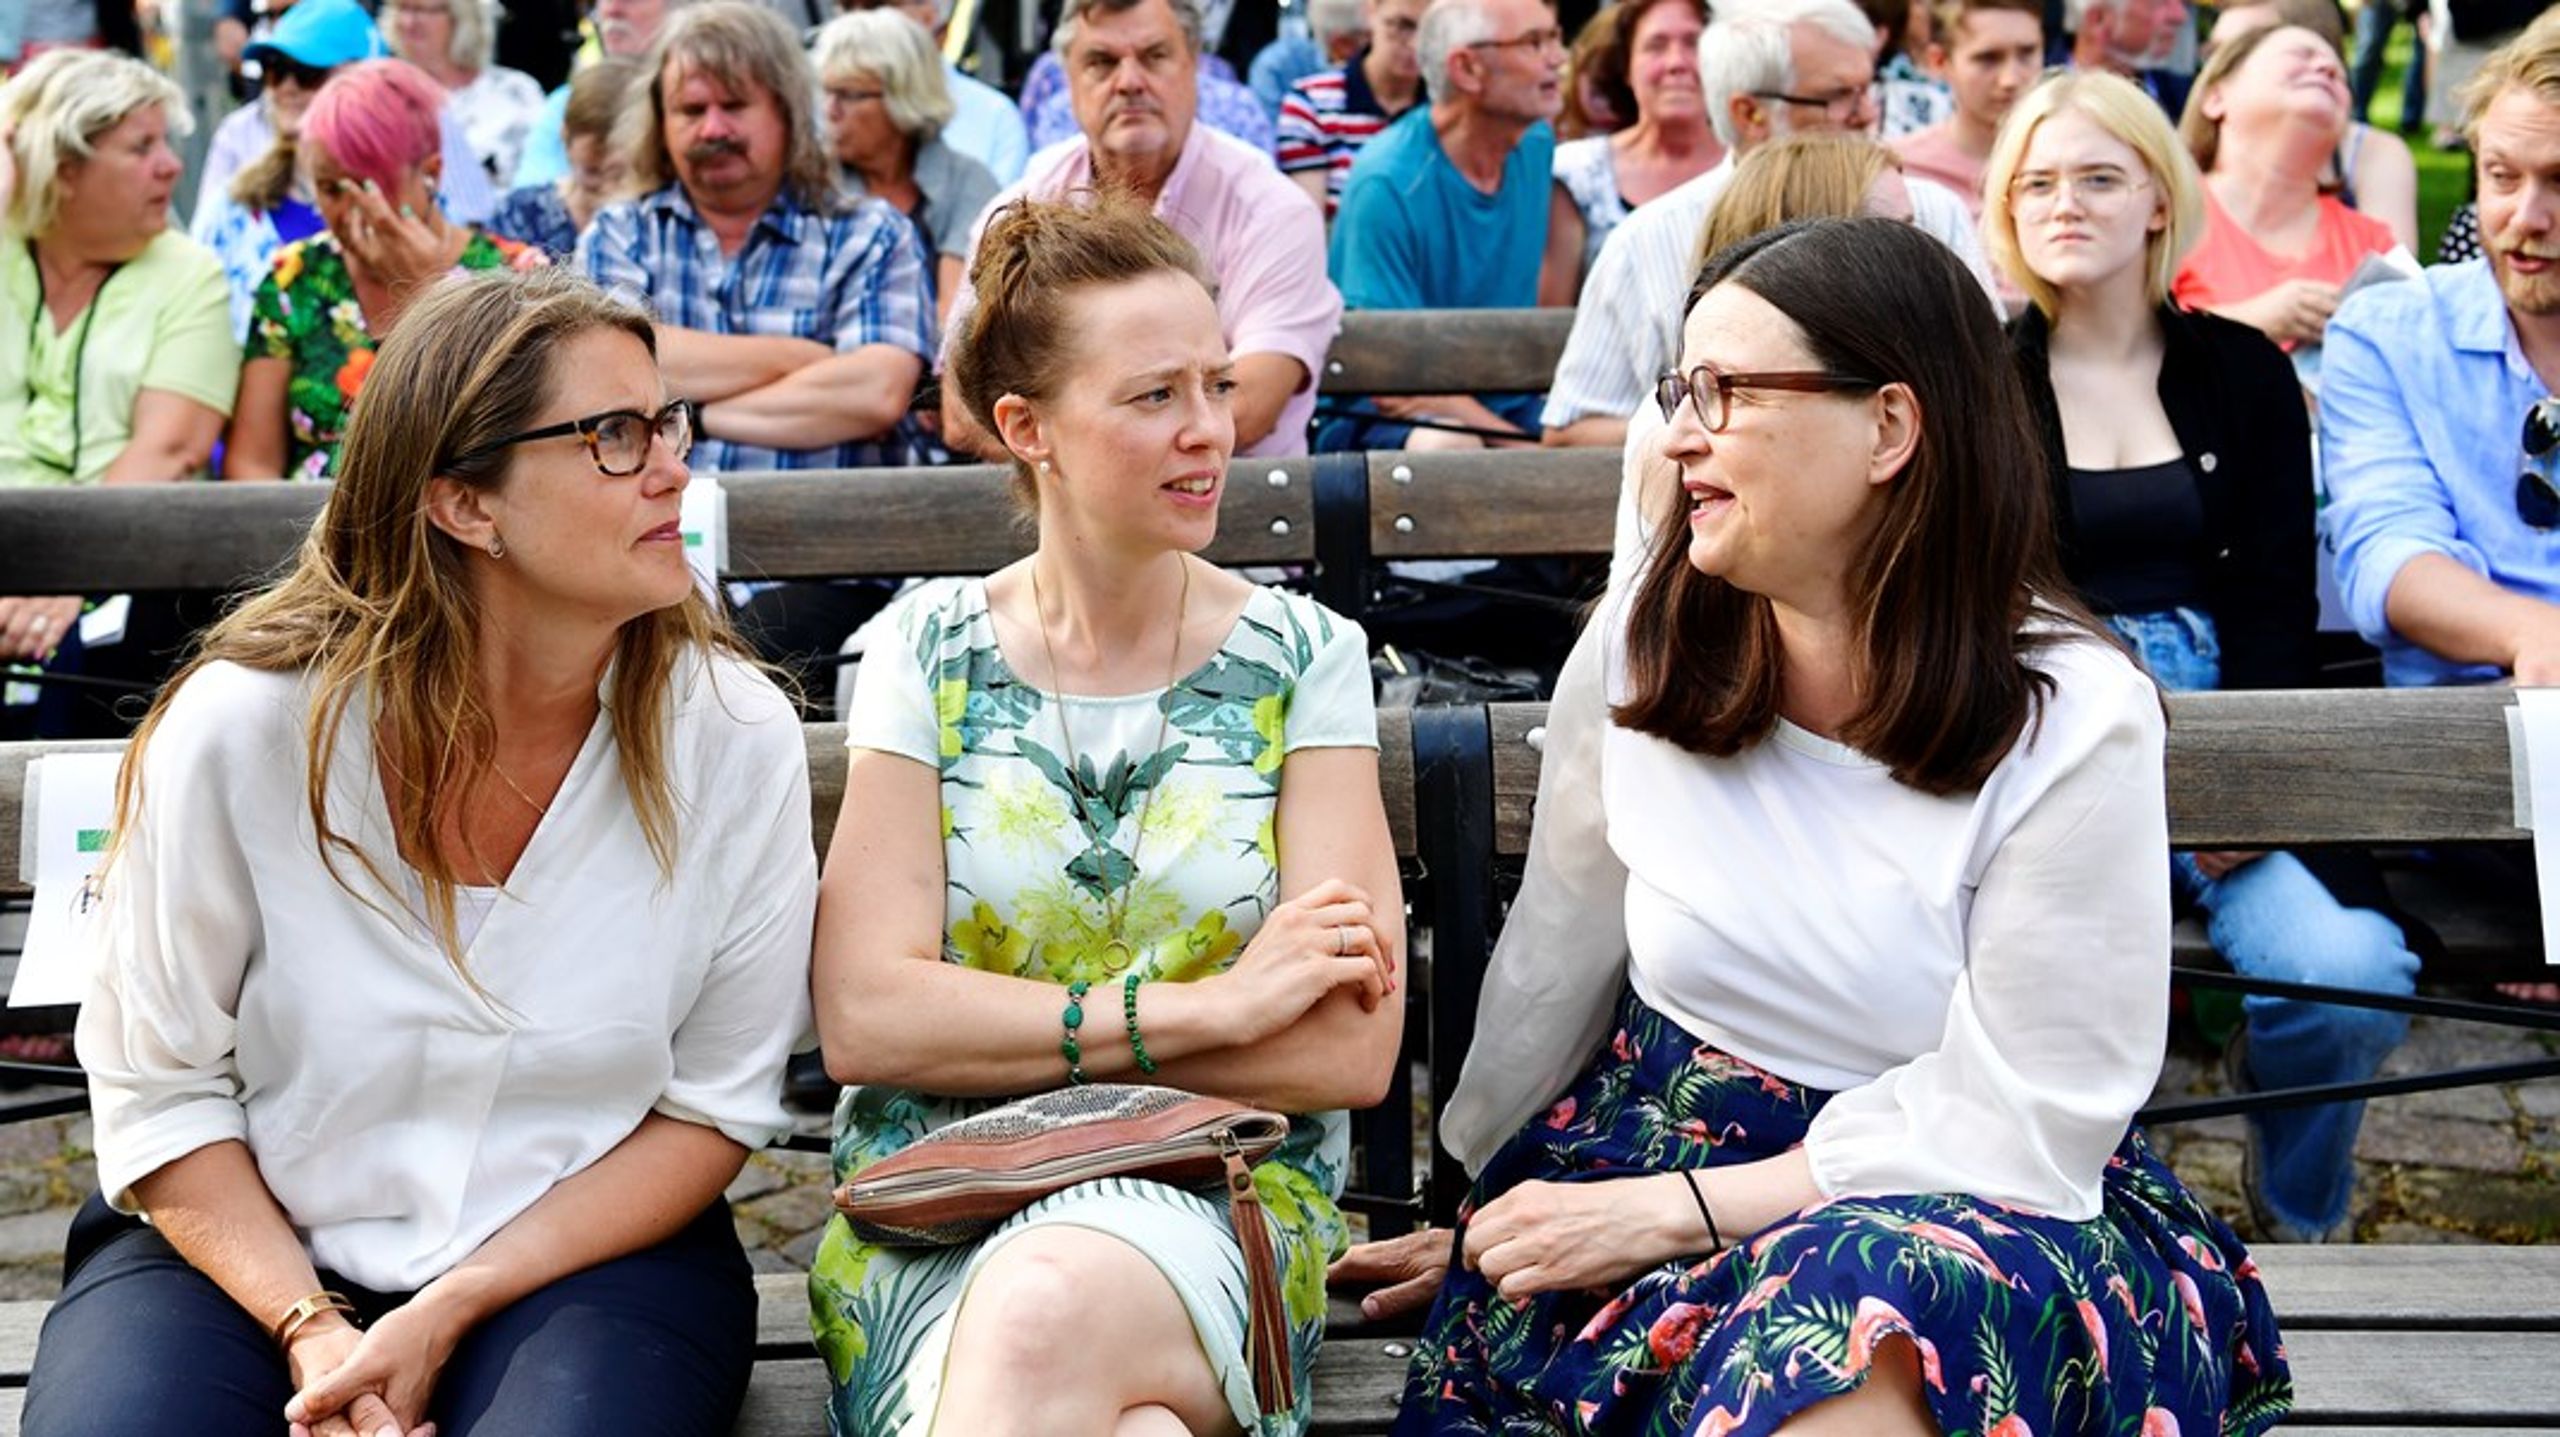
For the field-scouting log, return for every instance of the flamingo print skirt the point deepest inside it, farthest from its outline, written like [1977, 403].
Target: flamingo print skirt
[2147, 1321]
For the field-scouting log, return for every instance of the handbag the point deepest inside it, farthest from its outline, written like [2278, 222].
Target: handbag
[961, 1181]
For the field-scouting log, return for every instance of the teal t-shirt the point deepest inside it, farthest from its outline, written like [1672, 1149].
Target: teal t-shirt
[1414, 234]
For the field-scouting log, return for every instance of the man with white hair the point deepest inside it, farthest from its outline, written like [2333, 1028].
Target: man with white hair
[984, 124]
[1447, 208]
[1132, 69]
[1771, 68]
[1334, 31]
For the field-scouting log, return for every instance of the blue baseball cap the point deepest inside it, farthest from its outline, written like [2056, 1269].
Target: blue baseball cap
[322, 35]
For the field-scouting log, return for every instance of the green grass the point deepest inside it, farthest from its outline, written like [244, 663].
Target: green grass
[2444, 176]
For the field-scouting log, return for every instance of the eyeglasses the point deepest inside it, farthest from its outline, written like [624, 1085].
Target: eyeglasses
[617, 440]
[2098, 189]
[1709, 390]
[276, 69]
[1536, 41]
[851, 97]
[2537, 498]
[1843, 107]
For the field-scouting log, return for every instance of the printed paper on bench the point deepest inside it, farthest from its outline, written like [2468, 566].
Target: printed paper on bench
[71, 799]
[705, 522]
[2537, 714]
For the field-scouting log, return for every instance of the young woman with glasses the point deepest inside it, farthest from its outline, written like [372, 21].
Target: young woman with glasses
[1813, 1114]
[455, 934]
[2179, 453]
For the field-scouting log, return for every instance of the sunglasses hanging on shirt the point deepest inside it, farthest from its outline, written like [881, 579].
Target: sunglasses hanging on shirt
[2537, 489]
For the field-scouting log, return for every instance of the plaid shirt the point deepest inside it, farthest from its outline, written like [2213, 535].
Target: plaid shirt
[847, 278]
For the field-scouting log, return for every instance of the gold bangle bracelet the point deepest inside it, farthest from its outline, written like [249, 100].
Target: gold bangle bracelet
[301, 1313]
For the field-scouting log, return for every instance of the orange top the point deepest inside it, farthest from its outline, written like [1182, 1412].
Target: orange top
[2228, 265]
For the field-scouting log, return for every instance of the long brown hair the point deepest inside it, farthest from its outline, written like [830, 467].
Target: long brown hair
[377, 604]
[1943, 591]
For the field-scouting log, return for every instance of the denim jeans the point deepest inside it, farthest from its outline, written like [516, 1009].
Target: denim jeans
[2272, 918]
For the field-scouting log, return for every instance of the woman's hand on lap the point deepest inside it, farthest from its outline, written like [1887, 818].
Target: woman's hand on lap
[370, 1383]
[1559, 1237]
[1411, 1267]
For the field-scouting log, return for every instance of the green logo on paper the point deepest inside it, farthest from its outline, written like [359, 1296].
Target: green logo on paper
[94, 840]
[692, 540]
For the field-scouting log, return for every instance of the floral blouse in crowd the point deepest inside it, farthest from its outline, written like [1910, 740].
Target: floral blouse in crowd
[306, 314]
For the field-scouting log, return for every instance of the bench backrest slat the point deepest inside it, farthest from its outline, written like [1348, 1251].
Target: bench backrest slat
[2368, 766]
[1446, 351]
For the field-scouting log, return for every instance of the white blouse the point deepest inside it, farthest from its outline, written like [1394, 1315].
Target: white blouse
[399, 1118]
[1982, 978]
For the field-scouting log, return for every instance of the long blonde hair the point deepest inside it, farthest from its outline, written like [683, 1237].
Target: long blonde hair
[377, 603]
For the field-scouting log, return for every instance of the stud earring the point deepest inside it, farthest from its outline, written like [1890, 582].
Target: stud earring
[497, 547]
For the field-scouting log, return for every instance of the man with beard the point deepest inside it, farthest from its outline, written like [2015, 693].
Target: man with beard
[2439, 435]
[797, 319]
[1132, 75]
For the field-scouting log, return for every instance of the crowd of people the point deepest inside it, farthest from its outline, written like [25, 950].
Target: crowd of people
[1963, 405]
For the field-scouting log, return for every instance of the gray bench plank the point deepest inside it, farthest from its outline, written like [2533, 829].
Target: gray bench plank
[1446, 351]
[2410, 1286]
[815, 524]
[2278, 768]
[826, 785]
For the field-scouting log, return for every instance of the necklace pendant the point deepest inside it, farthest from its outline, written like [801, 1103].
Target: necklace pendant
[1117, 955]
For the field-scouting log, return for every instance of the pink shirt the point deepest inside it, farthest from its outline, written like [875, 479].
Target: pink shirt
[1262, 237]
[2228, 266]
[1933, 154]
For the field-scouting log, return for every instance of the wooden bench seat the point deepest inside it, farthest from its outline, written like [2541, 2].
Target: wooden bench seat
[2382, 1339]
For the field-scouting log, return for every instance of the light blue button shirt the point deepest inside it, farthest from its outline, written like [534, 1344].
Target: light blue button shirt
[2422, 411]
[985, 126]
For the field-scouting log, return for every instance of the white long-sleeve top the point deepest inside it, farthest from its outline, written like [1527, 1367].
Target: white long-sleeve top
[1981, 978]
[400, 1120]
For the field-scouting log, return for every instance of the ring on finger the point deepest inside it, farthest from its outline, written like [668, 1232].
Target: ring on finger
[1341, 940]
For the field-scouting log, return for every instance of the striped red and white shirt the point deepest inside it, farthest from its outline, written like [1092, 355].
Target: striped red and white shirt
[1324, 121]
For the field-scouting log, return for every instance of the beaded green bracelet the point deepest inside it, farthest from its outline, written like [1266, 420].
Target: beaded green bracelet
[1072, 1019]
[1129, 1013]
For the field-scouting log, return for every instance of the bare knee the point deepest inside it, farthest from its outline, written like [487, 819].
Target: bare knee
[1020, 1308]
[1888, 1404]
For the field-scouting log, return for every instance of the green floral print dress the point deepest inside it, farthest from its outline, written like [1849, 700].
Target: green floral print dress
[305, 313]
[1037, 838]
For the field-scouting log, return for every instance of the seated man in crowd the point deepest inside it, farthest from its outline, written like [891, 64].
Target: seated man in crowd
[2439, 433]
[1225, 104]
[1989, 51]
[1329, 116]
[2138, 39]
[624, 29]
[1131, 66]
[798, 320]
[984, 124]
[1447, 209]
[1771, 67]
[2437, 395]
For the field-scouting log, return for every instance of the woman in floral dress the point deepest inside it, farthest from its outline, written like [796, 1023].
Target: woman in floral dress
[370, 143]
[1110, 783]
[1862, 953]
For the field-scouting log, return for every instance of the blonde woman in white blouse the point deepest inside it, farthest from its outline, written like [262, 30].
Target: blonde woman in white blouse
[1800, 1090]
[456, 932]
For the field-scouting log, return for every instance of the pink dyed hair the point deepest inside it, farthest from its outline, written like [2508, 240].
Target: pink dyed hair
[377, 119]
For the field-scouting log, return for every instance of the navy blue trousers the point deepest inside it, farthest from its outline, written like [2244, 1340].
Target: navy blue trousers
[656, 1344]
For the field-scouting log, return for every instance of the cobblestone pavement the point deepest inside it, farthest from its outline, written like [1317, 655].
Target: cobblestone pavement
[2475, 1165]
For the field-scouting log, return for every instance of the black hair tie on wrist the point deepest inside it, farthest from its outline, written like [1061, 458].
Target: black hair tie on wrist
[1715, 1239]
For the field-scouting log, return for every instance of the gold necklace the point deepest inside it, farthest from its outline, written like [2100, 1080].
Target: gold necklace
[1116, 952]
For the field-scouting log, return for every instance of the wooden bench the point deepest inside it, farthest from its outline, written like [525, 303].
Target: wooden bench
[2382, 1338]
[2365, 1328]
